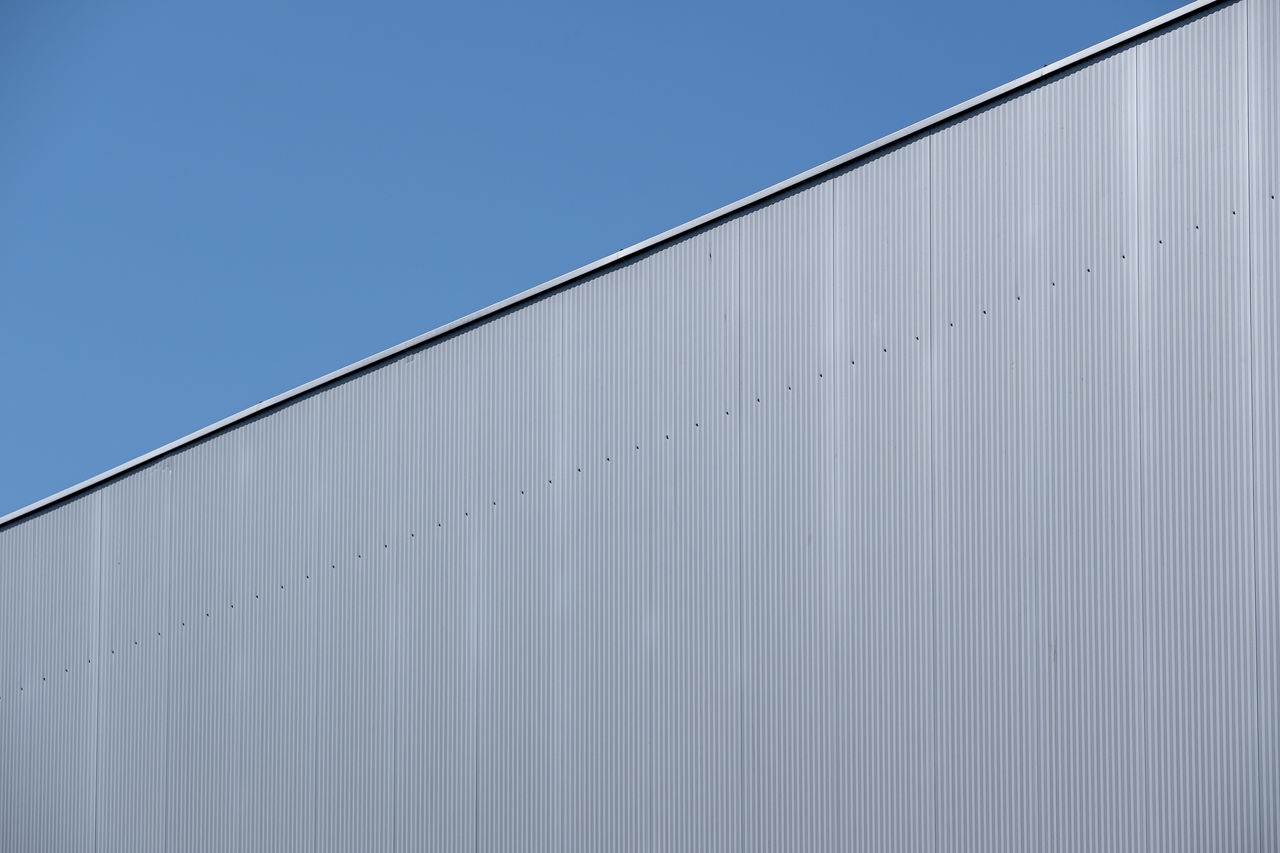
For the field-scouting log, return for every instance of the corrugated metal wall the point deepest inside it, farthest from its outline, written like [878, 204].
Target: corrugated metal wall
[932, 505]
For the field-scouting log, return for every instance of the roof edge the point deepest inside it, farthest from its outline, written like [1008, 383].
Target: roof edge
[631, 251]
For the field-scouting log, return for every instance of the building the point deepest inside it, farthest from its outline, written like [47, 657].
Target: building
[925, 501]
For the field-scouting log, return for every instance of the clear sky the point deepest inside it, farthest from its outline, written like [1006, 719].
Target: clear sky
[205, 204]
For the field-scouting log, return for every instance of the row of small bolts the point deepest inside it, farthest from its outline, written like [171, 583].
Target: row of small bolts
[208, 614]
[608, 459]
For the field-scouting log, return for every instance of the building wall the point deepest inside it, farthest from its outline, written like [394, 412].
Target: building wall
[931, 505]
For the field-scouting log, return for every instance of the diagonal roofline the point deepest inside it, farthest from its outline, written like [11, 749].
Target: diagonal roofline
[864, 151]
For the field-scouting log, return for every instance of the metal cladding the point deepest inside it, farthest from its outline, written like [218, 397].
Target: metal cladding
[930, 503]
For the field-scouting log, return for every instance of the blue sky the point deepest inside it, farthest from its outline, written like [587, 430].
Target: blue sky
[205, 204]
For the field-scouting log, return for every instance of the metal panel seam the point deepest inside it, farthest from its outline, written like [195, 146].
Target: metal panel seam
[396, 738]
[1144, 554]
[317, 643]
[1253, 395]
[475, 670]
[168, 674]
[933, 494]
[97, 691]
[742, 574]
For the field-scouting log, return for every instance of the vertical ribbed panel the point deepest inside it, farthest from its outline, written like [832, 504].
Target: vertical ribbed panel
[355, 653]
[1262, 207]
[632, 737]
[693, 631]
[132, 656]
[522, 744]
[48, 688]
[278, 605]
[931, 505]
[604, 483]
[201, 696]
[241, 668]
[991, 621]
[792, 791]
[436, 718]
[18, 564]
[1035, 445]
[878, 511]
[1074, 318]
[1197, 435]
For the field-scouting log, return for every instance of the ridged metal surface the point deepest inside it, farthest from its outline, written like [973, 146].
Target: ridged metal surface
[1261, 206]
[789, 717]
[1036, 560]
[879, 517]
[1199, 519]
[929, 505]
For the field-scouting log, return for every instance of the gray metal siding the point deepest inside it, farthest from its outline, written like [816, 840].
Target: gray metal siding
[789, 714]
[928, 505]
[1034, 434]
[48, 751]
[878, 514]
[1262, 207]
[1198, 520]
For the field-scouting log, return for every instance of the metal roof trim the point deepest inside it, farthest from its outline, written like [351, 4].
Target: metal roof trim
[631, 251]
